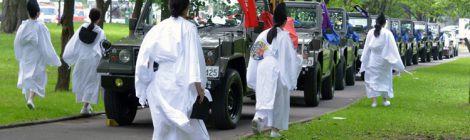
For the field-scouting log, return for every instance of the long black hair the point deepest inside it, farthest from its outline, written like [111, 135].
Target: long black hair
[94, 15]
[177, 7]
[280, 17]
[379, 24]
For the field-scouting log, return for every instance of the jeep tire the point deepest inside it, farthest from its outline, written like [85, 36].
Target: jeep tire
[312, 87]
[328, 87]
[120, 106]
[228, 101]
[350, 75]
[339, 81]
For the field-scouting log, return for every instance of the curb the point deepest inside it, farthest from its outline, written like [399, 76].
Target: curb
[310, 118]
[49, 121]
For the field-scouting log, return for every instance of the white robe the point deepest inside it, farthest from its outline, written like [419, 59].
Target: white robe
[86, 57]
[175, 45]
[33, 51]
[273, 78]
[379, 57]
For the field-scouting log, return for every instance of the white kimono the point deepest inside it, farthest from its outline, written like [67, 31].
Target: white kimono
[273, 78]
[175, 45]
[33, 51]
[86, 57]
[379, 57]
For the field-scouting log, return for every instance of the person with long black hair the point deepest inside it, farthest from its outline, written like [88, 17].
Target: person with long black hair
[84, 51]
[179, 82]
[272, 71]
[379, 58]
[33, 51]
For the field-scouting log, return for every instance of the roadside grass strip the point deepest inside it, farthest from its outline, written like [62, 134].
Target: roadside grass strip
[433, 103]
[56, 104]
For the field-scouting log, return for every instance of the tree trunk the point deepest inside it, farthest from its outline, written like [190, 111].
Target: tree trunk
[14, 12]
[63, 80]
[136, 14]
[103, 6]
[165, 10]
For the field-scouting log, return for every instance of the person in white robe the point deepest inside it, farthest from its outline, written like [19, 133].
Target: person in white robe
[379, 58]
[180, 79]
[272, 71]
[85, 53]
[33, 51]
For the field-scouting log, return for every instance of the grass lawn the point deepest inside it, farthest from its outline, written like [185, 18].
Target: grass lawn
[55, 104]
[434, 104]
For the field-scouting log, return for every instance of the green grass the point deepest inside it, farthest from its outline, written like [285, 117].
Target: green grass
[56, 104]
[434, 104]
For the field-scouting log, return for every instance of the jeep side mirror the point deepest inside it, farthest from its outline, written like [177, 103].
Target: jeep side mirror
[107, 47]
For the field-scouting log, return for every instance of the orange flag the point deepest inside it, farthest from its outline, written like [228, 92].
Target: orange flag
[249, 9]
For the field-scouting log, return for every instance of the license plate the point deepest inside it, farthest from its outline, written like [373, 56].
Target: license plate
[212, 71]
[310, 61]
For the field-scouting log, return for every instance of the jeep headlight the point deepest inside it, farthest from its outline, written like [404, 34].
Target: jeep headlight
[210, 57]
[124, 56]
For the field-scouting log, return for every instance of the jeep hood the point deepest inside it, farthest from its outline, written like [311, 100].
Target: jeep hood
[304, 38]
[210, 40]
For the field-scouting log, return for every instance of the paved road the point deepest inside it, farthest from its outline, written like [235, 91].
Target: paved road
[95, 128]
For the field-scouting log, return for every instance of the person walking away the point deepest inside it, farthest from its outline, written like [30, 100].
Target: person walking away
[180, 79]
[84, 51]
[33, 51]
[379, 58]
[273, 70]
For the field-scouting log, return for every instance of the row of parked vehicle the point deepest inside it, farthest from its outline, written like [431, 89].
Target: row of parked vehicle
[417, 41]
[226, 45]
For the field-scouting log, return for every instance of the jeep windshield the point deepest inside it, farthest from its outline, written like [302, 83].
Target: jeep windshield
[406, 28]
[337, 19]
[359, 22]
[420, 27]
[434, 30]
[226, 13]
[304, 17]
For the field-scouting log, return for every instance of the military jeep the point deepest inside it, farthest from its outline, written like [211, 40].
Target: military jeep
[226, 52]
[424, 45]
[317, 78]
[407, 35]
[346, 67]
[361, 25]
[437, 45]
[394, 26]
[319, 59]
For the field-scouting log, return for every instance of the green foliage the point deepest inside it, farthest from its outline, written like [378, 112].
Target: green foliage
[420, 10]
[432, 104]
[56, 104]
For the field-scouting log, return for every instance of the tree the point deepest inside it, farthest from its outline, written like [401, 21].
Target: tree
[14, 12]
[136, 14]
[103, 6]
[63, 80]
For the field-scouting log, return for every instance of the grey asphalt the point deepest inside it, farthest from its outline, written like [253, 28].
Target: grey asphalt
[94, 128]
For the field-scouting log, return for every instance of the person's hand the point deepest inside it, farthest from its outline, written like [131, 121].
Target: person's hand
[200, 92]
[143, 101]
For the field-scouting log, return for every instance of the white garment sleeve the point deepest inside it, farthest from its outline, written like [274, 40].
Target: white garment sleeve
[251, 73]
[195, 56]
[289, 63]
[46, 48]
[72, 50]
[24, 35]
[391, 54]
[144, 66]
[366, 52]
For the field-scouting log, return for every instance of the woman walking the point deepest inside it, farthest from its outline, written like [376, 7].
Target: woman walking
[273, 70]
[84, 51]
[180, 79]
[33, 51]
[379, 58]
